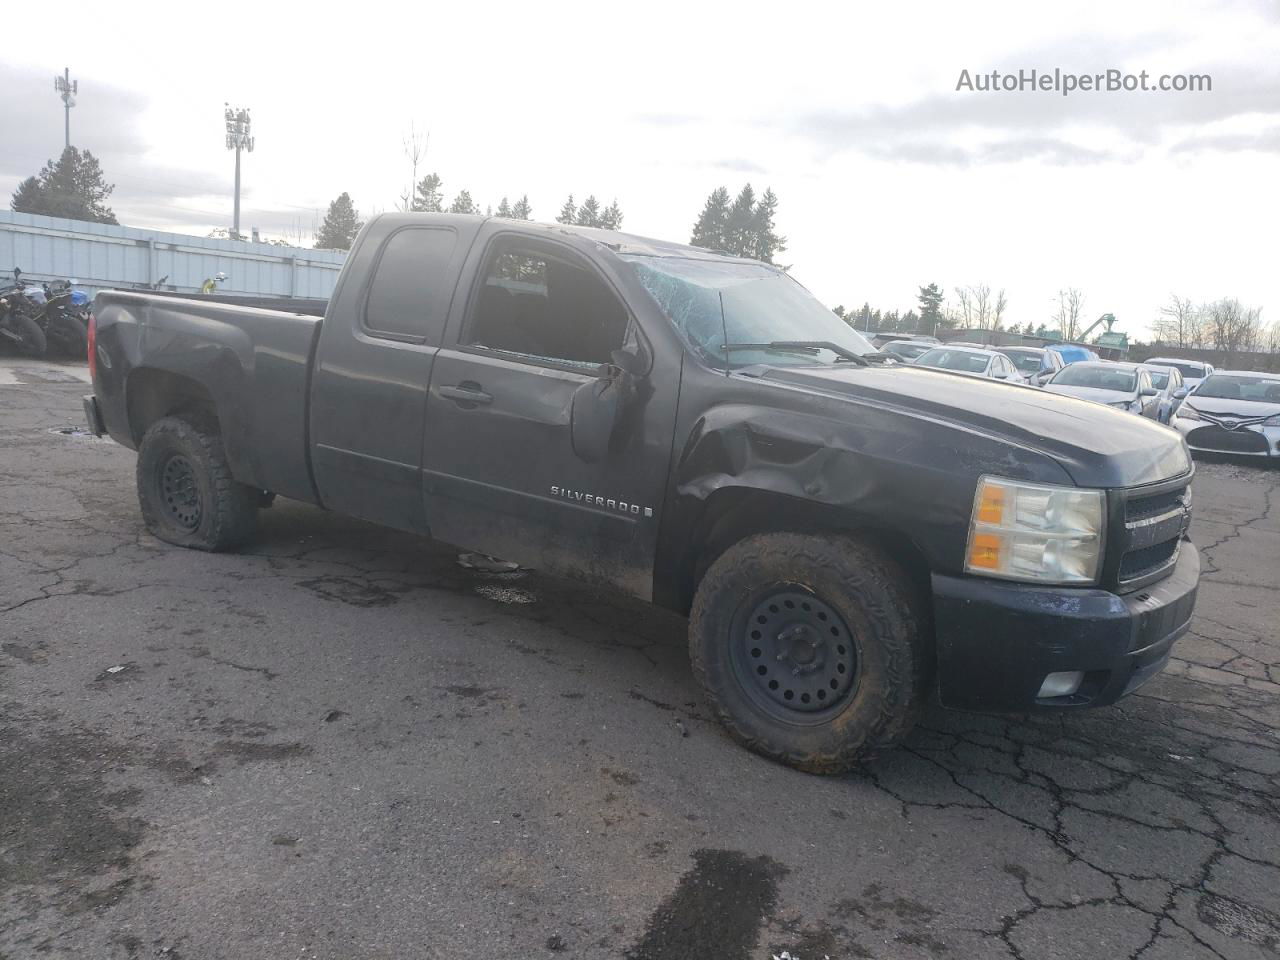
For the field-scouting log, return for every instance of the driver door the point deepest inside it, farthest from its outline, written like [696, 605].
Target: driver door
[499, 467]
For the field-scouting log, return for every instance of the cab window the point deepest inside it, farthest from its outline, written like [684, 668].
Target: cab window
[411, 290]
[547, 304]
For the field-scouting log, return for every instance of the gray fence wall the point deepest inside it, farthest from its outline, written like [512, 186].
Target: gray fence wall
[100, 256]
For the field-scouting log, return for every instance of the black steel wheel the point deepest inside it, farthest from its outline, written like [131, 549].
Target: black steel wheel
[186, 489]
[180, 491]
[794, 654]
[809, 648]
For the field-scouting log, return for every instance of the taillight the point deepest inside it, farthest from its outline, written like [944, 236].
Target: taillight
[93, 346]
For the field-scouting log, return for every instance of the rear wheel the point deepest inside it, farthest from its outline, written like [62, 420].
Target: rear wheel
[809, 649]
[186, 491]
[69, 335]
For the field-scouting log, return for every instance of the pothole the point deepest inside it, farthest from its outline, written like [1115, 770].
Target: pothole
[75, 433]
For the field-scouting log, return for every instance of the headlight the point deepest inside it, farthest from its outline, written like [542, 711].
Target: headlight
[1042, 534]
[1121, 405]
[1272, 421]
[1188, 412]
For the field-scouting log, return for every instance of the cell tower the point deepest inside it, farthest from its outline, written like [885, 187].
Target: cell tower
[238, 138]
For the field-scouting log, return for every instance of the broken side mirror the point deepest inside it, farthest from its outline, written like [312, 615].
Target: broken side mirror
[598, 407]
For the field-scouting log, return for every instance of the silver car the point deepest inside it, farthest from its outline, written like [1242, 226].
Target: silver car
[1125, 386]
[1037, 364]
[1168, 380]
[1233, 411]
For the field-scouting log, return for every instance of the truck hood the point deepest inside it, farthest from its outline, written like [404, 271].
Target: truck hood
[1097, 445]
[1096, 394]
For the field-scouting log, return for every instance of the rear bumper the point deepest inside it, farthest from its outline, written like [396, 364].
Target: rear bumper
[998, 641]
[93, 415]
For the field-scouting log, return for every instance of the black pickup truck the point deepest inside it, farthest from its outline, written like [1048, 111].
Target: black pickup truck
[848, 535]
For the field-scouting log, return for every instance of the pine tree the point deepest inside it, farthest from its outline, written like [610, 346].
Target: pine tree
[766, 240]
[504, 209]
[427, 197]
[71, 187]
[522, 210]
[589, 212]
[930, 298]
[568, 212]
[740, 230]
[28, 197]
[611, 216]
[710, 229]
[463, 203]
[341, 224]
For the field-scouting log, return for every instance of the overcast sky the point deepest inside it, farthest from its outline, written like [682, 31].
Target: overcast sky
[888, 177]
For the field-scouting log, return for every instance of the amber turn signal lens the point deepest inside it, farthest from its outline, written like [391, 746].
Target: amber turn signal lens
[984, 551]
[991, 506]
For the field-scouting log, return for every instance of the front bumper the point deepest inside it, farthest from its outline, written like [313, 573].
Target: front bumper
[998, 641]
[1254, 441]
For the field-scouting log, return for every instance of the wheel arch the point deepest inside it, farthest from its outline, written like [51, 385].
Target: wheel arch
[732, 514]
[152, 394]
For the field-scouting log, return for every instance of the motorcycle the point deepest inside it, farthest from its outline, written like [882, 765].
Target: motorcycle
[19, 327]
[66, 319]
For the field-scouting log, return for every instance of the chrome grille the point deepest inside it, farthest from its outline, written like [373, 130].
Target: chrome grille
[1145, 548]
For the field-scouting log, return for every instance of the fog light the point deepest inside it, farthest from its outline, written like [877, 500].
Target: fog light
[1061, 684]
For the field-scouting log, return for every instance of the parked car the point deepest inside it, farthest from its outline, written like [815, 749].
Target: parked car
[1071, 353]
[1168, 380]
[1193, 371]
[1037, 364]
[847, 537]
[906, 350]
[880, 339]
[1124, 386]
[971, 361]
[1233, 411]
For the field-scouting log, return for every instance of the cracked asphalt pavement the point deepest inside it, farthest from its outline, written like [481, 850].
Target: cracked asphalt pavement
[340, 743]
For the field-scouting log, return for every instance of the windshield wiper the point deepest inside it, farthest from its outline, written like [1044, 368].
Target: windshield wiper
[807, 346]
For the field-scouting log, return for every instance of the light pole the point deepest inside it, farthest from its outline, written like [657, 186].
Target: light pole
[238, 138]
[67, 88]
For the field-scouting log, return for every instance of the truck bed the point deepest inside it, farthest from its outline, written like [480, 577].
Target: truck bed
[249, 364]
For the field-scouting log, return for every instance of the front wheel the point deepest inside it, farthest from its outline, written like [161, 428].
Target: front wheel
[809, 649]
[186, 491]
[31, 340]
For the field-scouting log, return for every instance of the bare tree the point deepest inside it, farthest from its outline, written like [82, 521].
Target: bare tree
[1233, 327]
[1180, 324]
[997, 313]
[1067, 314]
[977, 309]
[415, 150]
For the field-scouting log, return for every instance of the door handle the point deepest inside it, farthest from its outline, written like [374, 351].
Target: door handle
[466, 392]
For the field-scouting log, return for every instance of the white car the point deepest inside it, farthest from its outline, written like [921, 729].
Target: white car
[1193, 371]
[1125, 386]
[971, 361]
[1233, 411]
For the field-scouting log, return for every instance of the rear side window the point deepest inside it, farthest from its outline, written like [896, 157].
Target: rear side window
[410, 293]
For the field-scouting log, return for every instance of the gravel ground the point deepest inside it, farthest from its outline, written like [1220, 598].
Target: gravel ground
[340, 743]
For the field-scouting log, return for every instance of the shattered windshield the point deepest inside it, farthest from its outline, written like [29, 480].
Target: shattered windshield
[762, 306]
